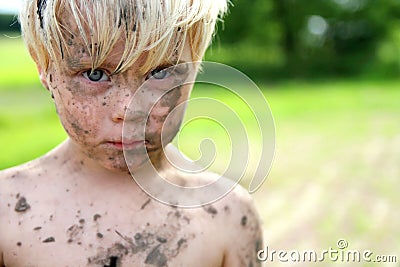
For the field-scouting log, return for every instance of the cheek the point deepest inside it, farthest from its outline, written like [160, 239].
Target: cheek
[157, 118]
[163, 108]
[166, 116]
[171, 99]
[79, 115]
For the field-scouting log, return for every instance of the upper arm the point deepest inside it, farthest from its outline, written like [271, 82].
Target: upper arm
[246, 236]
[1, 259]
[6, 186]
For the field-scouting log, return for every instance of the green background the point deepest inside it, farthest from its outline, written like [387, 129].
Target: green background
[329, 70]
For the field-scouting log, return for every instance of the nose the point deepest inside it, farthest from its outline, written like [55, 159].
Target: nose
[133, 107]
[121, 96]
[119, 112]
[128, 110]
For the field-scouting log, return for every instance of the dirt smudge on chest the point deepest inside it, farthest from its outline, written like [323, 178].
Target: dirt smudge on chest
[110, 256]
[155, 245]
[49, 240]
[74, 233]
[156, 257]
[145, 204]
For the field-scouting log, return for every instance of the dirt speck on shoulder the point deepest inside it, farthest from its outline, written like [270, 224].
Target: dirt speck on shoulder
[211, 210]
[243, 221]
[22, 205]
[96, 217]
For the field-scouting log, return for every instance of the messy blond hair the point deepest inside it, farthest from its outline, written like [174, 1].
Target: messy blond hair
[159, 27]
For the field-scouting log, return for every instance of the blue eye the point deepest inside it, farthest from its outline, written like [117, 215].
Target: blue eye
[159, 74]
[95, 75]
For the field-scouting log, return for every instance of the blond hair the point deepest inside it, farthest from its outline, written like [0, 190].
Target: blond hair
[159, 27]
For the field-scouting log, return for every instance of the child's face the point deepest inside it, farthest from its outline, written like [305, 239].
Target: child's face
[92, 106]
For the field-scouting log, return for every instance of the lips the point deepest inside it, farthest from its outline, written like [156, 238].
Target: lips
[127, 145]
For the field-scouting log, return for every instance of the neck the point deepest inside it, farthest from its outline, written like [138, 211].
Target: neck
[78, 164]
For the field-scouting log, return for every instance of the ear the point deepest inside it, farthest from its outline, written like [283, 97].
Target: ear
[42, 76]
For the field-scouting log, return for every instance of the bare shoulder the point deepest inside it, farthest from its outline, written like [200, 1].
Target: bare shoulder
[18, 175]
[12, 181]
[236, 222]
[242, 227]
[239, 204]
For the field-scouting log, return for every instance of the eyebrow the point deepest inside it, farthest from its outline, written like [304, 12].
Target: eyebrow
[78, 64]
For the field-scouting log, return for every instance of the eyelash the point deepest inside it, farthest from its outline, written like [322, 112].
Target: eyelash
[158, 70]
[87, 75]
[152, 74]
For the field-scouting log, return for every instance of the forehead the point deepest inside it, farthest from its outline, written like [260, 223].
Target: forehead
[88, 38]
[78, 56]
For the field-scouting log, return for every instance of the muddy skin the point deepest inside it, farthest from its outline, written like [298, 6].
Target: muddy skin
[113, 262]
[77, 129]
[227, 209]
[170, 101]
[156, 248]
[211, 210]
[156, 258]
[171, 98]
[74, 63]
[180, 244]
[141, 241]
[161, 239]
[243, 221]
[145, 204]
[74, 233]
[96, 217]
[22, 205]
[258, 245]
[49, 240]
[112, 256]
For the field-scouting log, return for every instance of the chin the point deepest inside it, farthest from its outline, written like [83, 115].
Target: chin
[116, 167]
[113, 163]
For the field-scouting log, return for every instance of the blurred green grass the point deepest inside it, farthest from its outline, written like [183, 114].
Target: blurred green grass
[17, 70]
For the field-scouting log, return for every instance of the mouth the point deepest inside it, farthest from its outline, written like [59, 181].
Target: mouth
[128, 145]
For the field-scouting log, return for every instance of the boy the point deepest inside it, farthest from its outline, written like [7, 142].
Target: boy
[78, 205]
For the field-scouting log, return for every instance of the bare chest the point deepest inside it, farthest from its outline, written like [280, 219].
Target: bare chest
[141, 234]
